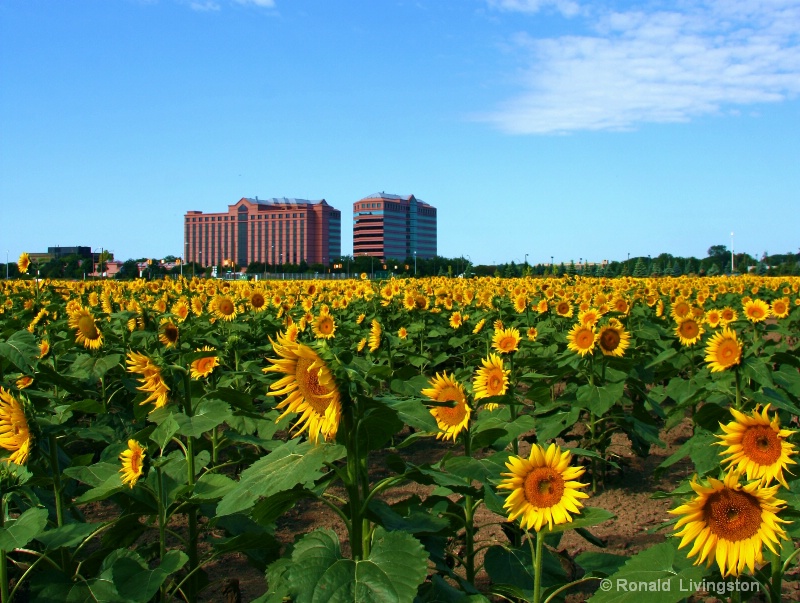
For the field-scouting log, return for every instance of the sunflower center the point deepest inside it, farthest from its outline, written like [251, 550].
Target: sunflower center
[257, 300]
[452, 415]
[135, 462]
[727, 352]
[762, 444]
[309, 385]
[584, 339]
[87, 328]
[326, 326]
[420, 302]
[609, 340]
[506, 344]
[495, 383]
[689, 329]
[733, 515]
[225, 306]
[544, 487]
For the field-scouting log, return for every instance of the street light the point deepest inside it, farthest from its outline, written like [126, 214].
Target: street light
[415, 263]
[731, 253]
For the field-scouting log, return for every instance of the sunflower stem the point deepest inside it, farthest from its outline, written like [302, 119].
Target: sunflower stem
[162, 525]
[469, 519]
[55, 468]
[537, 568]
[3, 560]
[777, 574]
[192, 510]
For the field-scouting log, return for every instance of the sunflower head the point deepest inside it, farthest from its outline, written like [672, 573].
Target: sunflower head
[15, 433]
[757, 446]
[223, 307]
[756, 310]
[375, 336]
[581, 339]
[507, 340]
[730, 523]
[323, 326]
[204, 366]
[24, 262]
[451, 418]
[723, 350]
[86, 331]
[688, 330]
[613, 339]
[491, 379]
[168, 333]
[132, 459]
[544, 488]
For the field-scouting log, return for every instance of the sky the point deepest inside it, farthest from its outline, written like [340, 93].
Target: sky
[565, 129]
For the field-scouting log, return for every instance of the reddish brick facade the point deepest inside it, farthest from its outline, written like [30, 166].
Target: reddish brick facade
[390, 226]
[272, 231]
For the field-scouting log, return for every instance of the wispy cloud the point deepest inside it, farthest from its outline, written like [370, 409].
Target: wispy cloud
[215, 5]
[566, 7]
[640, 67]
[260, 3]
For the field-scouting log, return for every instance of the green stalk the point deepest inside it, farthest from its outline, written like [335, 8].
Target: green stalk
[54, 467]
[162, 525]
[537, 568]
[777, 574]
[3, 561]
[192, 511]
[469, 519]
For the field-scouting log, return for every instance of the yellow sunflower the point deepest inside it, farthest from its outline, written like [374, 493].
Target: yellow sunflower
[258, 302]
[456, 320]
[756, 310]
[24, 262]
[613, 339]
[479, 326]
[323, 326]
[168, 333]
[780, 307]
[589, 317]
[24, 381]
[728, 315]
[203, 367]
[564, 308]
[375, 336]
[180, 309]
[581, 339]
[309, 388]
[361, 344]
[757, 446]
[402, 333]
[152, 382]
[713, 318]
[688, 330]
[223, 307]
[543, 488]
[450, 419]
[15, 435]
[132, 463]
[44, 348]
[723, 350]
[491, 379]
[533, 333]
[507, 340]
[730, 523]
[86, 331]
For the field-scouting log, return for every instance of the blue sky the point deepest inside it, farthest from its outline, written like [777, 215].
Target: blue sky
[542, 127]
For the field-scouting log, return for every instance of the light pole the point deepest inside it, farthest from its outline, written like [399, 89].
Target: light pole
[731, 253]
[6, 264]
[415, 263]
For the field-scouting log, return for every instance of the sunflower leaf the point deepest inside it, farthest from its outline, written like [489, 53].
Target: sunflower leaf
[21, 350]
[18, 532]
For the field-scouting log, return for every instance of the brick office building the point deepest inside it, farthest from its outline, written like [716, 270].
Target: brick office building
[272, 231]
[391, 226]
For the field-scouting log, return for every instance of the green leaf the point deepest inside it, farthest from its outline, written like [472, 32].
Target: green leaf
[136, 582]
[660, 574]
[700, 447]
[549, 427]
[163, 433]
[414, 413]
[590, 516]
[759, 371]
[20, 531]
[207, 415]
[379, 423]
[514, 567]
[211, 486]
[21, 350]
[282, 469]
[69, 535]
[396, 566]
[599, 400]
[93, 368]
[600, 563]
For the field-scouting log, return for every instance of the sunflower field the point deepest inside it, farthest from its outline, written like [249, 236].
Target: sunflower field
[151, 429]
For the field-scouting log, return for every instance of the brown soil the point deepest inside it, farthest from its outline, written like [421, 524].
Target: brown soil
[627, 494]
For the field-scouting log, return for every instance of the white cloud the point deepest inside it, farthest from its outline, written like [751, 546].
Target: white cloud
[260, 3]
[567, 7]
[638, 67]
[204, 5]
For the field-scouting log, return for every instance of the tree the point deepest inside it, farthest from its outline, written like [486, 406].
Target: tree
[640, 269]
[716, 251]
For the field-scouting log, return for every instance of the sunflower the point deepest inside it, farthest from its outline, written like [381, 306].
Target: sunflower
[223, 307]
[86, 332]
[360, 318]
[361, 344]
[730, 523]
[132, 463]
[491, 379]
[168, 333]
[581, 339]
[309, 388]
[450, 419]
[728, 315]
[375, 336]
[564, 308]
[780, 307]
[507, 340]
[757, 446]
[203, 367]
[44, 348]
[520, 304]
[723, 350]
[152, 382]
[542, 306]
[402, 333]
[323, 326]
[24, 262]
[24, 381]
[456, 320]
[479, 326]
[756, 310]
[613, 339]
[589, 317]
[688, 331]
[533, 333]
[543, 488]
[15, 435]
[258, 302]
[713, 318]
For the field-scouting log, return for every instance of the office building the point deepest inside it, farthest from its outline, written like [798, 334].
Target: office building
[390, 226]
[271, 231]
